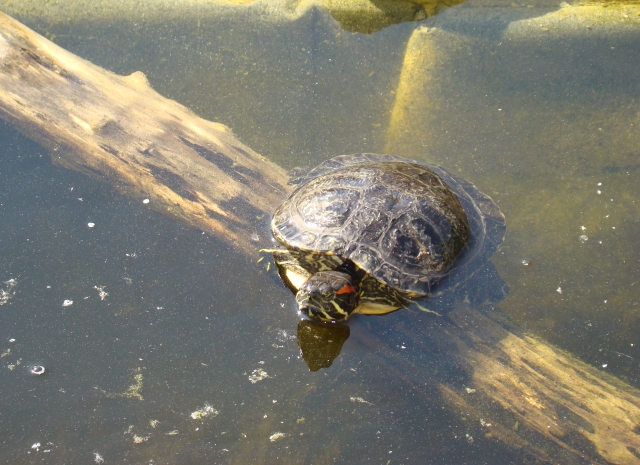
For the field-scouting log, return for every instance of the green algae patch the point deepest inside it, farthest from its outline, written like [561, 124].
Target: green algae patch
[132, 391]
[365, 16]
[371, 16]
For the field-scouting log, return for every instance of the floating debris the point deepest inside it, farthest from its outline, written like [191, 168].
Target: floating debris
[154, 423]
[277, 436]
[37, 370]
[584, 238]
[36, 446]
[97, 458]
[470, 390]
[139, 439]
[91, 225]
[258, 375]
[145, 201]
[12, 366]
[525, 262]
[133, 391]
[204, 412]
[101, 292]
[6, 290]
[171, 433]
[66, 303]
[559, 290]
[359, 400]
[5, 353]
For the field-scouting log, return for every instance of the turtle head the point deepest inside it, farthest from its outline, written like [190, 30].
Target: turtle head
[328, 296]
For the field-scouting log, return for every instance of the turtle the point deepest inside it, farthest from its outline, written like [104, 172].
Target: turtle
[369, 233]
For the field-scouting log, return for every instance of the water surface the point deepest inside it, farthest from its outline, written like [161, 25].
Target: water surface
[194, 356]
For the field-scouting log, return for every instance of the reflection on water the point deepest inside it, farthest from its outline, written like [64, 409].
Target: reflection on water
[193, 357]
[320, 343]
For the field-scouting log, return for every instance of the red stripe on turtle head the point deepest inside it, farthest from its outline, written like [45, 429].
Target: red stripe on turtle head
[346, 289]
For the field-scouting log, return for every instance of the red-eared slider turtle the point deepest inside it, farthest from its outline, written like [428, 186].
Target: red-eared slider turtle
[364, 233]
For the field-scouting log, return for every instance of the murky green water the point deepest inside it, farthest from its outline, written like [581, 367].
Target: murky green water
[189, 329]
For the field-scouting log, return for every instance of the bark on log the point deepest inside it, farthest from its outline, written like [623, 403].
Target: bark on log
[120, 131]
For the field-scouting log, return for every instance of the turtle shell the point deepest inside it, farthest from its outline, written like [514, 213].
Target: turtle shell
[409, 224]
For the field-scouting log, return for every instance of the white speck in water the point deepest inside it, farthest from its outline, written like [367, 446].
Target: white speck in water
[91, 225]
[277, 436]
[66, 303]
[559, 290]
[145, 201]
[101, 292]
[258, 375]
[525, 262]
[599, 191]
[204, 412]
[584, 238]
[605, 301]
[604, 365]
[583, 228]
[599, 184]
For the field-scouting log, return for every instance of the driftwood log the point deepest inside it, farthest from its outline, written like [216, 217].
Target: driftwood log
[120, 131]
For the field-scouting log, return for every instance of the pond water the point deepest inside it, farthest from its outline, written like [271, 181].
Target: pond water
[174, 349]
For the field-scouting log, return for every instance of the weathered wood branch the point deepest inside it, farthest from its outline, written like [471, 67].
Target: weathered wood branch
[120, 131]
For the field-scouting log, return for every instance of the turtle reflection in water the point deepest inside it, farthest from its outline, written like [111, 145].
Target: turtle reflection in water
[365, 233]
